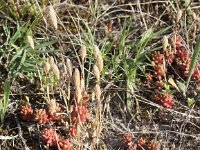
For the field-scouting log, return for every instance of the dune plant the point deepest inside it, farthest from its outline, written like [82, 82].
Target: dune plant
[22, 57]
[193, 63]
[5, 100]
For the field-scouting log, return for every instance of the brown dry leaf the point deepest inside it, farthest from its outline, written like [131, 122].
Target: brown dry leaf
[171, 81]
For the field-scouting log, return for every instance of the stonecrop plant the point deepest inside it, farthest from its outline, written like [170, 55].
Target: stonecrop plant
[76, 112]
[173, 60]
[140, 143]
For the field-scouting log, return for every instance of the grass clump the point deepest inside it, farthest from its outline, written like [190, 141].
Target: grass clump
[99, 74]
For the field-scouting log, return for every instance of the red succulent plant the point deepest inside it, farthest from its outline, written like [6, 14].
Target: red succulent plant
[149, 77]
[166, 100]
[80, 114]
[64, 144]
[26, 112]
[141, 142]
[159, 84]
[159, 71]
[154, 145]
[41, 116]
[127, 138]
[182, 54]
[178, 41]
[155, 97]
[176, 58]
[80, 111]
[53, 117]
[157, 58]
[73, 131]
[169, 56]
[196, 74]
[132, 147]
[50, 137]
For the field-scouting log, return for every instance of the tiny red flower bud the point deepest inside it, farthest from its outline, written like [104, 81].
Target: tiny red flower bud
[127, 138]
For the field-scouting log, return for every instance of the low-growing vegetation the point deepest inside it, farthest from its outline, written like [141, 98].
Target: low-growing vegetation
[105, 75]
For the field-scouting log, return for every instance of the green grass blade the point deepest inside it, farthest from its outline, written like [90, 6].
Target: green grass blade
[6, 95]
[22, 61]
[172, 5]
[45, 44]
[1, 110]
[194, 60]
[17, 55]
[17, 35]
[4, 104]
[48, 51]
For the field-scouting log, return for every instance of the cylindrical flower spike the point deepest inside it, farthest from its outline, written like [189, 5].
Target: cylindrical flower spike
[52, 17]
[55, 71]
[179, 15]
[69, 67]
[83, 52]
[165, 42]
[96, 72]
[100, 62]
[96, 51]
[76, 78]
[52, 106]
[30, 41]
[46, 67]
[98, 91]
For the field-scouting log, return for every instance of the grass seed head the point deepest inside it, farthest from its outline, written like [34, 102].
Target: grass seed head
[100, 62]
[51, 61]
[30, 41]
[194, 15]
[76, 78]
[96, 51]
[83, 52]
[96, 72]
[98, 91]
[165, 42]
[69, 67]
[52, 17]
[179, 15]
[52, 106]
[55, 71]
[46, 67]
